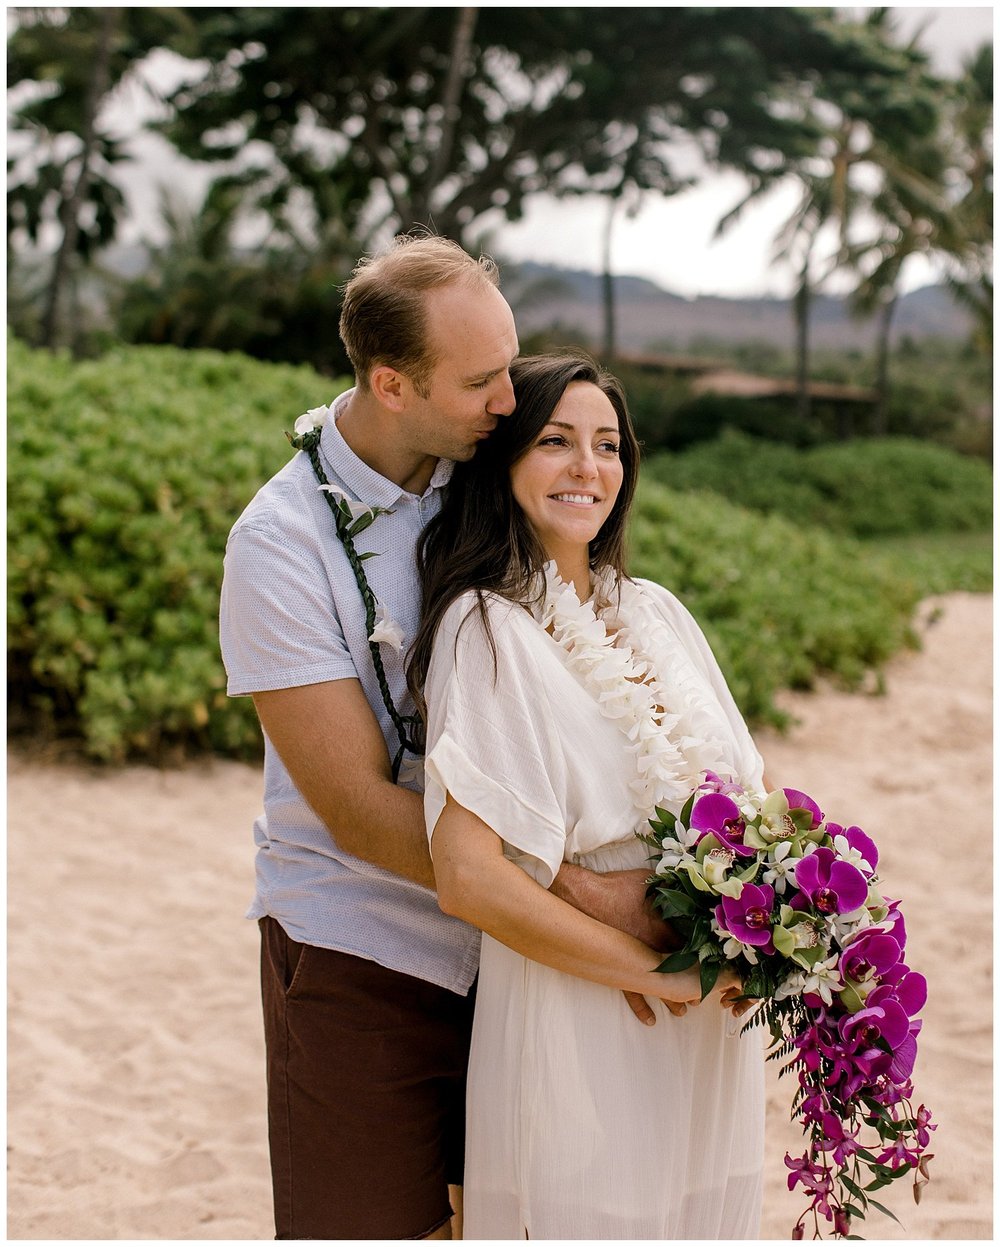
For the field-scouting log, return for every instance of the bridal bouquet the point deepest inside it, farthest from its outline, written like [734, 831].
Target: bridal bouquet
[792, 903]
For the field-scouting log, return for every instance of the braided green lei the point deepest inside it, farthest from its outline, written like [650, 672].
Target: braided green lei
[409, 728]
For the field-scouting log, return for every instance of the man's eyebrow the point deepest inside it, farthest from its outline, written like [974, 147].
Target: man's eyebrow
[485, 376]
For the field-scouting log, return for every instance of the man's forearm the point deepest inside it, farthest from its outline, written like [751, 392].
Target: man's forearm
[617, 899]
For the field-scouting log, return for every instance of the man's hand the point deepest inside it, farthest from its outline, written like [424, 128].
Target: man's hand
[618, 899]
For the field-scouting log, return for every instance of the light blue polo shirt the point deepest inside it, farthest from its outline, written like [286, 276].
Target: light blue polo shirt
[291, 614]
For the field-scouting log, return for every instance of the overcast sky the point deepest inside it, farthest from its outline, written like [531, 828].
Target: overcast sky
[670, 239]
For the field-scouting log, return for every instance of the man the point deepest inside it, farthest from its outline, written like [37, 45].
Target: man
[365, 981]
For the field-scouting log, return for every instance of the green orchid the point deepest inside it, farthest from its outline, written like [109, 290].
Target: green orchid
[797, 937]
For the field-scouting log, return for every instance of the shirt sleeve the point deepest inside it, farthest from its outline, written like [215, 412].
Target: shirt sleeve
[278, 625]
[696, 644]
[492, 739]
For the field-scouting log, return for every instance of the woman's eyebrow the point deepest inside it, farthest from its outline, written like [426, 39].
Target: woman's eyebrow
[560, 424]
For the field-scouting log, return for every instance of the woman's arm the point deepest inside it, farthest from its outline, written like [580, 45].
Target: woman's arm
[477, 883]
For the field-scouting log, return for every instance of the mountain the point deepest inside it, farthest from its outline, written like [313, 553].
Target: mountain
[545, 298]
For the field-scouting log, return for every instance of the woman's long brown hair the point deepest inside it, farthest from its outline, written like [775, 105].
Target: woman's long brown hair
[481, 539]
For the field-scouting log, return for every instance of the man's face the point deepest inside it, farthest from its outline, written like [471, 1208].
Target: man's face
[470, 331]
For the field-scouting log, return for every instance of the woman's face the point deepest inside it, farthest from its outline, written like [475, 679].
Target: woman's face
[567, 481]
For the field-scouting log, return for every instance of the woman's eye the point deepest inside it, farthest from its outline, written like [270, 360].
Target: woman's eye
[609, 447]
[553, 440]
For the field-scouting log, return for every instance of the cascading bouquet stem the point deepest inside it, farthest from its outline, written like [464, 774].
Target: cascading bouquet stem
[792, 902]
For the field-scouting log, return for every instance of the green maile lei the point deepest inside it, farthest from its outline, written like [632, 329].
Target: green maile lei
[351, 519]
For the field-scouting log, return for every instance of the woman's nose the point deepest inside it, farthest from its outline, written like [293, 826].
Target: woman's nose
[584, 464]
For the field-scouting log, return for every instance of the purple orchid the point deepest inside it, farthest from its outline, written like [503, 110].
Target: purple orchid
[893, 923]
[715, 783]
[837, 1140]
[748, 918]
[881, 1025]
[830, 885]
[872, 954]
[904, 998]
[897, 1155]
[924, 1125]
[857, 842]
[799, 801]
[855, 1061]
[815, 1180]
[717, 815]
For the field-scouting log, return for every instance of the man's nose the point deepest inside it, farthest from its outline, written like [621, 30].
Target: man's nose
[502, 400]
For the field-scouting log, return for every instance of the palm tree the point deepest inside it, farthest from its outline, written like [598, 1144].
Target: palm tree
[869, 125]
[970, 123]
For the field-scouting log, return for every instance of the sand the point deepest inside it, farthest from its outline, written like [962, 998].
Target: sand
[136, 1089]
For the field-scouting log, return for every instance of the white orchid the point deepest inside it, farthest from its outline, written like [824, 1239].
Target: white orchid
[793, 985]
[356, 508]
[854, 856]
[411, 769]
[823, 980]
[386, 630]
[676, 847]
[779, 869]
[314, 418]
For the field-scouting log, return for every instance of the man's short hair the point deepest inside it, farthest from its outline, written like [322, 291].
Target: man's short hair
[383, 319]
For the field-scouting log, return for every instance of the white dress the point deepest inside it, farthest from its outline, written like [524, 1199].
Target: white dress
[582, 1123]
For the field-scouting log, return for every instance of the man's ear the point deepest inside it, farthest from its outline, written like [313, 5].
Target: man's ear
[390, 387]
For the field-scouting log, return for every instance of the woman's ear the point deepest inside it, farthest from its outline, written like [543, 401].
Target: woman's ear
[390, 387]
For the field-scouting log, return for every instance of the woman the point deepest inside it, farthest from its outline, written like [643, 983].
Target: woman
[563, 702]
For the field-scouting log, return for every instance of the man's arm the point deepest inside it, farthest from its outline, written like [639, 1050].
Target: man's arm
[333, 748]
[351, 790]
[617, 899]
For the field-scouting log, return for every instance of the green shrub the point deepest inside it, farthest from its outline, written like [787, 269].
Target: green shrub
[779, 603]
[125, 475]
[885, 486]
[938, 562]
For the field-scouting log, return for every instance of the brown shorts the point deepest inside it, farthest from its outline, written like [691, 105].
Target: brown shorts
[366, 1093]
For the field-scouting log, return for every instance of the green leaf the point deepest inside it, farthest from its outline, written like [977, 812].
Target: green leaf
[361, 523]
[674, 903]
[677, 962]
[885, 1211]
[709, 976]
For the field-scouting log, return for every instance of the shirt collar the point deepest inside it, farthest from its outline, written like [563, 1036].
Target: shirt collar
[362, 481]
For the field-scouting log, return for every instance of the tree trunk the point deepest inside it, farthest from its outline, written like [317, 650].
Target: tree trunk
[880, 417]
[69, 209]
[458, 68]
[608, 288]
[800, 309]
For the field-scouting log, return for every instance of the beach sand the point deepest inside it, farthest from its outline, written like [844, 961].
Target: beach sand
[135, 1057]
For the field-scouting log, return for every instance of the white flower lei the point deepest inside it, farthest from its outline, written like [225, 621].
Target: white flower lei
[674, 735]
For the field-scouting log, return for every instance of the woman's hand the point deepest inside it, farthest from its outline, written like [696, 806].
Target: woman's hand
[731, 998]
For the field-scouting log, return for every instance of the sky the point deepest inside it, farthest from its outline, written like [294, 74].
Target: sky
[669, 240]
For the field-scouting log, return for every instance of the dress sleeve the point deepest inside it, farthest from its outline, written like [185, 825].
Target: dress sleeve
[493, 742]
[696, 644]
